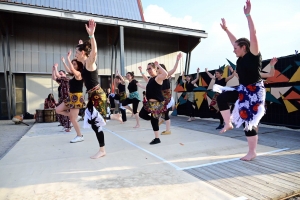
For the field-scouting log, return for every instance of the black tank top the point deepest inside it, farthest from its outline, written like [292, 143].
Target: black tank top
[153, 90]
[166, 84]
[90, 78]
[189, 87]
[75, 85]
[132, 87]
[121, 87]
[221, 82]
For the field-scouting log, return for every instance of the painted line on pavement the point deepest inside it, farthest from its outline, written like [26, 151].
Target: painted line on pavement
[156, 156]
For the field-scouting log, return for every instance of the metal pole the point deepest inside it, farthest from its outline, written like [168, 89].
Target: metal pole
[112, 67]
[12, 91]
[5, 77]
[122, 63]
[186, 63]
[188, 70]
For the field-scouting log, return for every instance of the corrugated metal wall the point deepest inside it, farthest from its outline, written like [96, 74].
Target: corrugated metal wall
[116, 8]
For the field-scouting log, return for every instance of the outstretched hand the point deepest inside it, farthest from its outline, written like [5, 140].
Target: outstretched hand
[62, 59]
[69, 53]
[179, 56]
[247, 7]
[156, 63]
[273, 61]
[140, 68]
[198, 70]
[223, 24]
[91, 27]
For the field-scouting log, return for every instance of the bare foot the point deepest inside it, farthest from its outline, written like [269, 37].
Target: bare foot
[249, 156]
[193, 119]
[137, 126]
[227, 127]
[99, 154]
[189, 120]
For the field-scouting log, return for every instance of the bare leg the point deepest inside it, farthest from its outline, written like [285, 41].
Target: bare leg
[62, 109]
[100, 153]
[226, 116]
[156, 133]
[168, 125]
[73, 118]
[129, 108]
[252, 143]
[117, 117]
[137, 118]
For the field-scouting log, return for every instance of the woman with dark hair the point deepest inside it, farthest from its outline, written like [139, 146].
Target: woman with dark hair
[134, 97]
[189, 85]
[63, 81]
[75, 101]
[249, 96]
[155, 100]
[50, 102]
[86, 53]
[219, 81]
[167, 94]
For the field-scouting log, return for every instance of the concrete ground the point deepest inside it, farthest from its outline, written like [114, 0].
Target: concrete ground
[44, 165]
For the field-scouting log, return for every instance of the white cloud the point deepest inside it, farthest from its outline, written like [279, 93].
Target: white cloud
[156, 14]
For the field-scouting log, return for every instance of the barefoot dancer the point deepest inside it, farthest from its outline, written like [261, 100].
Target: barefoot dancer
[63, 81]
[219, 81]
[133, 97]
[87, 54]
[75, 101]
[189, 85]
[250, 95]
[155, 101]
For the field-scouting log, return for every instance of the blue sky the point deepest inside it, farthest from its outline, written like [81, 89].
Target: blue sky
[277, 23]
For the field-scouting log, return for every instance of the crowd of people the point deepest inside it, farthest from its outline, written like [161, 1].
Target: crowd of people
[246, 99]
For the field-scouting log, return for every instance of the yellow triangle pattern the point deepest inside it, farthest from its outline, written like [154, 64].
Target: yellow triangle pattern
[296, 76]
[199, 96]
[288, 105]
[268, 89]
[225, 72]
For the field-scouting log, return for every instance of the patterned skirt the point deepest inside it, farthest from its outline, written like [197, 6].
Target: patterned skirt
[156, 108]
[250, 106]
[213, 103]
[98, 98]
[75, 101]
[167, 94]
[190, 96]
[122, 96]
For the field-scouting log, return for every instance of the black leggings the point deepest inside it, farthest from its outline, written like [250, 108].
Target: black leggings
[100, 135]
[229, 97]
[166, 115]
[145, 115]
[112, 101]
[123, 112]
[190, 108]
[135, 103]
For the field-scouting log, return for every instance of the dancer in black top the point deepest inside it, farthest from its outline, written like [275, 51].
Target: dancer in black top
[219, 81]
[250, 95]
[155, 100]
[75, 100]
[189, 85]
[96, 107]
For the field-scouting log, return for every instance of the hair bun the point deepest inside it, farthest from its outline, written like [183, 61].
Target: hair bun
[132, 72]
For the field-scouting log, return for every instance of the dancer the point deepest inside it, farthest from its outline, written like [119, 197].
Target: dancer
[63, 81]
[96, 107]
[119, 97]
[189, 85]
[134, 97]
[250, 95]
[50, 102]
[155, 101]
[75, 101]
[219, 81]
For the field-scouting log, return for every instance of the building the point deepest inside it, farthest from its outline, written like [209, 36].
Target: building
[35, 34]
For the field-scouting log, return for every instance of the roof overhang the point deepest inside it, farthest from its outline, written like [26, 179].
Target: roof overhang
[112, 21]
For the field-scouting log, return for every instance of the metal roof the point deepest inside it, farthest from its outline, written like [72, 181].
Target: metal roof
[23, 8]
[129, 9]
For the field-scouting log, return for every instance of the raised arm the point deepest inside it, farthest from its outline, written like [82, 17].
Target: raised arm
[65, 65]
[90, 29]
[162, 74]
[272, 71]
[231, 76]
[183, 78]
[232, 38]
[141, 86]
[209, 74]
[121, 77]
[53, 74]
[143, 74]
[172, 71]
[197, 78]
[76, 73]
[253, 39]
[56, 71]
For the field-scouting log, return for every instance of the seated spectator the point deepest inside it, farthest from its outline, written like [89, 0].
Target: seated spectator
[50, 102]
